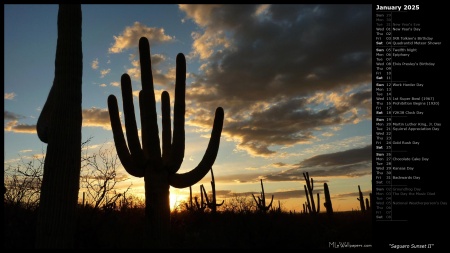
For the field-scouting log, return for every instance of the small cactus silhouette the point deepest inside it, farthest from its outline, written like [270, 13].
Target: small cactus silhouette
[309, 187]
[212, 205]
[198, 206]
[328, 205]
[361, 200]
[158, 169]
[276, 209]
[261, 202]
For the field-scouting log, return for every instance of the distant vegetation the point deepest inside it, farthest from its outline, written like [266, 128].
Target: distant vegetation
[236, 224]
[107, 218]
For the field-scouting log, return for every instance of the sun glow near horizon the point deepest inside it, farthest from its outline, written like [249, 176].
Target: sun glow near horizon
[175, 199]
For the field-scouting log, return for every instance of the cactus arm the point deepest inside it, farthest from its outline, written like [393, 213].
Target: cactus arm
[263, 196]
[213, 185]
[213, 182]
[203, 191]
[119, 139]
[178, 143]
[202, 202]
[270, 203]
[202, 205]
[196, 174]
[147, 105]
[166, 127]
[130, 123]
[146, 67]
[43, 123]
[257, 203]
[318, 203]
[307, 199]
[310, 186]
[189, 206]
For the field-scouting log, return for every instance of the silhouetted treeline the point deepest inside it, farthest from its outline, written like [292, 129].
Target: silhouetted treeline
[123, 228]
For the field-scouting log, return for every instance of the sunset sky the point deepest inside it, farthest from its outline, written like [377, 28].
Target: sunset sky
[295, 82]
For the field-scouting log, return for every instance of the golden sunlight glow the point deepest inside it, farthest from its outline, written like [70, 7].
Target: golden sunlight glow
[175, 200]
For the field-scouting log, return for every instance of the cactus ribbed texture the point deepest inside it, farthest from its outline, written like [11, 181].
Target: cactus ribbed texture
[159, 170]
[309, 187]
[261, 202]
[328, 205]
[59, 125]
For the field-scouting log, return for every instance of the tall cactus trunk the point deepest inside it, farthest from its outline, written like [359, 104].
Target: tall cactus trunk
[157, 210]
[59, 125]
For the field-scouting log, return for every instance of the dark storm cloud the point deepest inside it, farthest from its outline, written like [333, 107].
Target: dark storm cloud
[354, 194]
[347, 157]
[92, 117]
[13, 125]
[7, 115]
[265, 65]
[349, 163]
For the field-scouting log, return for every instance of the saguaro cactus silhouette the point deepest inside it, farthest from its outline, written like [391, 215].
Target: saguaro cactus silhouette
[159, 170]
[309, 187]
[361, 200]
[212, 205]
[328, 205]
[59, 125]
[198, 206]
[261, 202]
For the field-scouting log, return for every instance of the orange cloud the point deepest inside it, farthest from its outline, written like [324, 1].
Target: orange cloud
[131, 35]
[96, 117]
[10, 96]
[14, 126]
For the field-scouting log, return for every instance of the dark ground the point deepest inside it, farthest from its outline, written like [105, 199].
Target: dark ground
[125, 229]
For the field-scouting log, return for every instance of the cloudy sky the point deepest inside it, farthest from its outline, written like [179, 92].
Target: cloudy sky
[294, 82]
